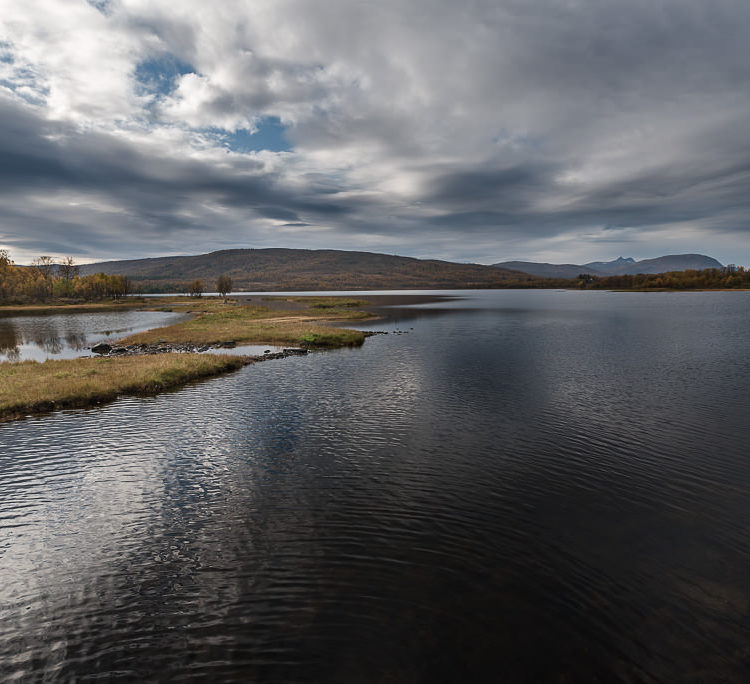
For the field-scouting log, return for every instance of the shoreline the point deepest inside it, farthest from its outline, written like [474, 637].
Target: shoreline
[64, 308]
[298, 324]
[173, 356]
[88, 382]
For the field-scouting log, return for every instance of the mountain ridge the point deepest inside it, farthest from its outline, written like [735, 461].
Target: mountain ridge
[297, 269]
[619, 266]
[270, 269]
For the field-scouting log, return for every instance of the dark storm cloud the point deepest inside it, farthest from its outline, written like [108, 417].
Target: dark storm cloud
[475, 131]
[502, 195]
[39, 157]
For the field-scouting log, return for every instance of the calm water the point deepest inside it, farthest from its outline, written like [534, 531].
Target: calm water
[528, 486]
[68, 336]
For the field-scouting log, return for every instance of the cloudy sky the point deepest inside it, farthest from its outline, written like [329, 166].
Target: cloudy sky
[484, 130]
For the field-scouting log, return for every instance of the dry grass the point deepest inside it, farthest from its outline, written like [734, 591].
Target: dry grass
[257, 325]
[188, 304]
[326, 302]
[31, 387]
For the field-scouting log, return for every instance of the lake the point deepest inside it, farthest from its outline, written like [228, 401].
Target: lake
[522, 486]
[68, 336]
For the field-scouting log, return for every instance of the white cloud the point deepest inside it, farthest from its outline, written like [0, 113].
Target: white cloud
[431, 125]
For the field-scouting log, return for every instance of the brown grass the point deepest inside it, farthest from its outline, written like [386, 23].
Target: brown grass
[31, 387]
[325, 302]
[258, 325]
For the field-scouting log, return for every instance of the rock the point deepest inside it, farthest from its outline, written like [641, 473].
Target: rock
[101, 348]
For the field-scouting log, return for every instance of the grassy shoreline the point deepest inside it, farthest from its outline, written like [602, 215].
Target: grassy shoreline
[30, 387]
[248, 324]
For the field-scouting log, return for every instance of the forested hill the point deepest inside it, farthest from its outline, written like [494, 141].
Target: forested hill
[300, 269]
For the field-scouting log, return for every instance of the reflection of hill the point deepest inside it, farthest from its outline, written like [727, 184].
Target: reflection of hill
[403, 314]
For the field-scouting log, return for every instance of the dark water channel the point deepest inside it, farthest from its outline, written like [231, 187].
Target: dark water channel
[68, 336]
[527, 486]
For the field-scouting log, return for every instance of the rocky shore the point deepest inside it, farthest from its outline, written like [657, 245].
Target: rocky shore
[103, 349]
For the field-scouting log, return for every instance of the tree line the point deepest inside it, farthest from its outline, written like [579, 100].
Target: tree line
[49, 280]
[730, 277]
[46, 279]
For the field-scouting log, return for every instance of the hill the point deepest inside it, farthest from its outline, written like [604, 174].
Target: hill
[299, 269]
[666, 264]
[620, 266]
[544, 270]
[610, 266]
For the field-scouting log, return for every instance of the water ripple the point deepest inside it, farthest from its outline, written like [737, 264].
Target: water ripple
[541, 488]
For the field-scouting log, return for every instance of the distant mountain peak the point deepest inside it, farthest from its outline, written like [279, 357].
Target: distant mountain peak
[619, 266]
[607, 266]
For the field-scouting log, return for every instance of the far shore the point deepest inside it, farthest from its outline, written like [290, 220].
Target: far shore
[124, 304]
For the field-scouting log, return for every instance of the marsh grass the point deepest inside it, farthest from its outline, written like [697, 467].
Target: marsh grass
[327, 302]
[32, 387]
[257, 324]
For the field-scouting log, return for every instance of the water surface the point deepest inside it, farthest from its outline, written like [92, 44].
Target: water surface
[527, 486]
[67, 336]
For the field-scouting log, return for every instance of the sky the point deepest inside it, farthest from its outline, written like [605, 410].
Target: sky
[477, 131]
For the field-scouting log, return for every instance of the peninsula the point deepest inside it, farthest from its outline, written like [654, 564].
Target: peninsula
[142, 364]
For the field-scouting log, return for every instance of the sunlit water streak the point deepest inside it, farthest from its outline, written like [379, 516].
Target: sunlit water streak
[526, 486]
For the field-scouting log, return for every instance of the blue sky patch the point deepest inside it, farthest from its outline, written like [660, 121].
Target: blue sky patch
[102, 5]
[269, 136]
[158, 76]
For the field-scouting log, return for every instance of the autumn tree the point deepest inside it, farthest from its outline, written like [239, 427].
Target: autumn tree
[5, 260]
[224, 286]
[7, 275]
[68, 269]
[118, 285]
[44, 265]
[196, 288]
